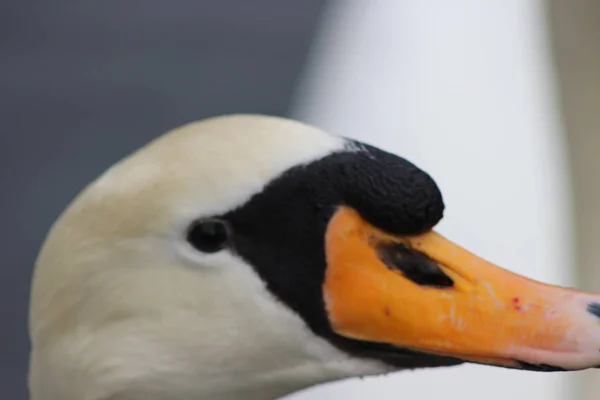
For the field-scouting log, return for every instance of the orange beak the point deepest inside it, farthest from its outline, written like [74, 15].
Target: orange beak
[428, 294]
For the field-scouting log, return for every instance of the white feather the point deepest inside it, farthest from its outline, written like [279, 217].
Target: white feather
[123, 308]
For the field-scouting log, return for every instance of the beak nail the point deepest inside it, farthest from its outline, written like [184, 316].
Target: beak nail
[594, 309]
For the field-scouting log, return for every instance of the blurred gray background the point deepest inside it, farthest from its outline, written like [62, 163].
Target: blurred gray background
[84, 83]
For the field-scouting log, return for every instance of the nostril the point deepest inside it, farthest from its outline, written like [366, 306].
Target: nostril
[594, 308]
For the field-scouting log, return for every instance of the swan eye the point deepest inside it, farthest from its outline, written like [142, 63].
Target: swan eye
[209, 235]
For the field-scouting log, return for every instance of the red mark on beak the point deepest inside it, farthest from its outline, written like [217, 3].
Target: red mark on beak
[516, 301]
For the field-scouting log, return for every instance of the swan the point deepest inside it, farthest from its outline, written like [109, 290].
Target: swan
[251, 256]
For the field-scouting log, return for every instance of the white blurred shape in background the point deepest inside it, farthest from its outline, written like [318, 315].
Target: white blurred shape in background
[464, 89]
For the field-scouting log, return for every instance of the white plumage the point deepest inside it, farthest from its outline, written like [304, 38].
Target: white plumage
[123, 308]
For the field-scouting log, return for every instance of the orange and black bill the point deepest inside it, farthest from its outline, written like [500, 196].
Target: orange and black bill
[430, 295]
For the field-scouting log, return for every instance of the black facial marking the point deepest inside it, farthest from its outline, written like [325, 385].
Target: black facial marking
[401, 358]
[413, 264]
[281, 230]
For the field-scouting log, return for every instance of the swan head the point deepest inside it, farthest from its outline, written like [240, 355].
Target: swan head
[253, 256]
